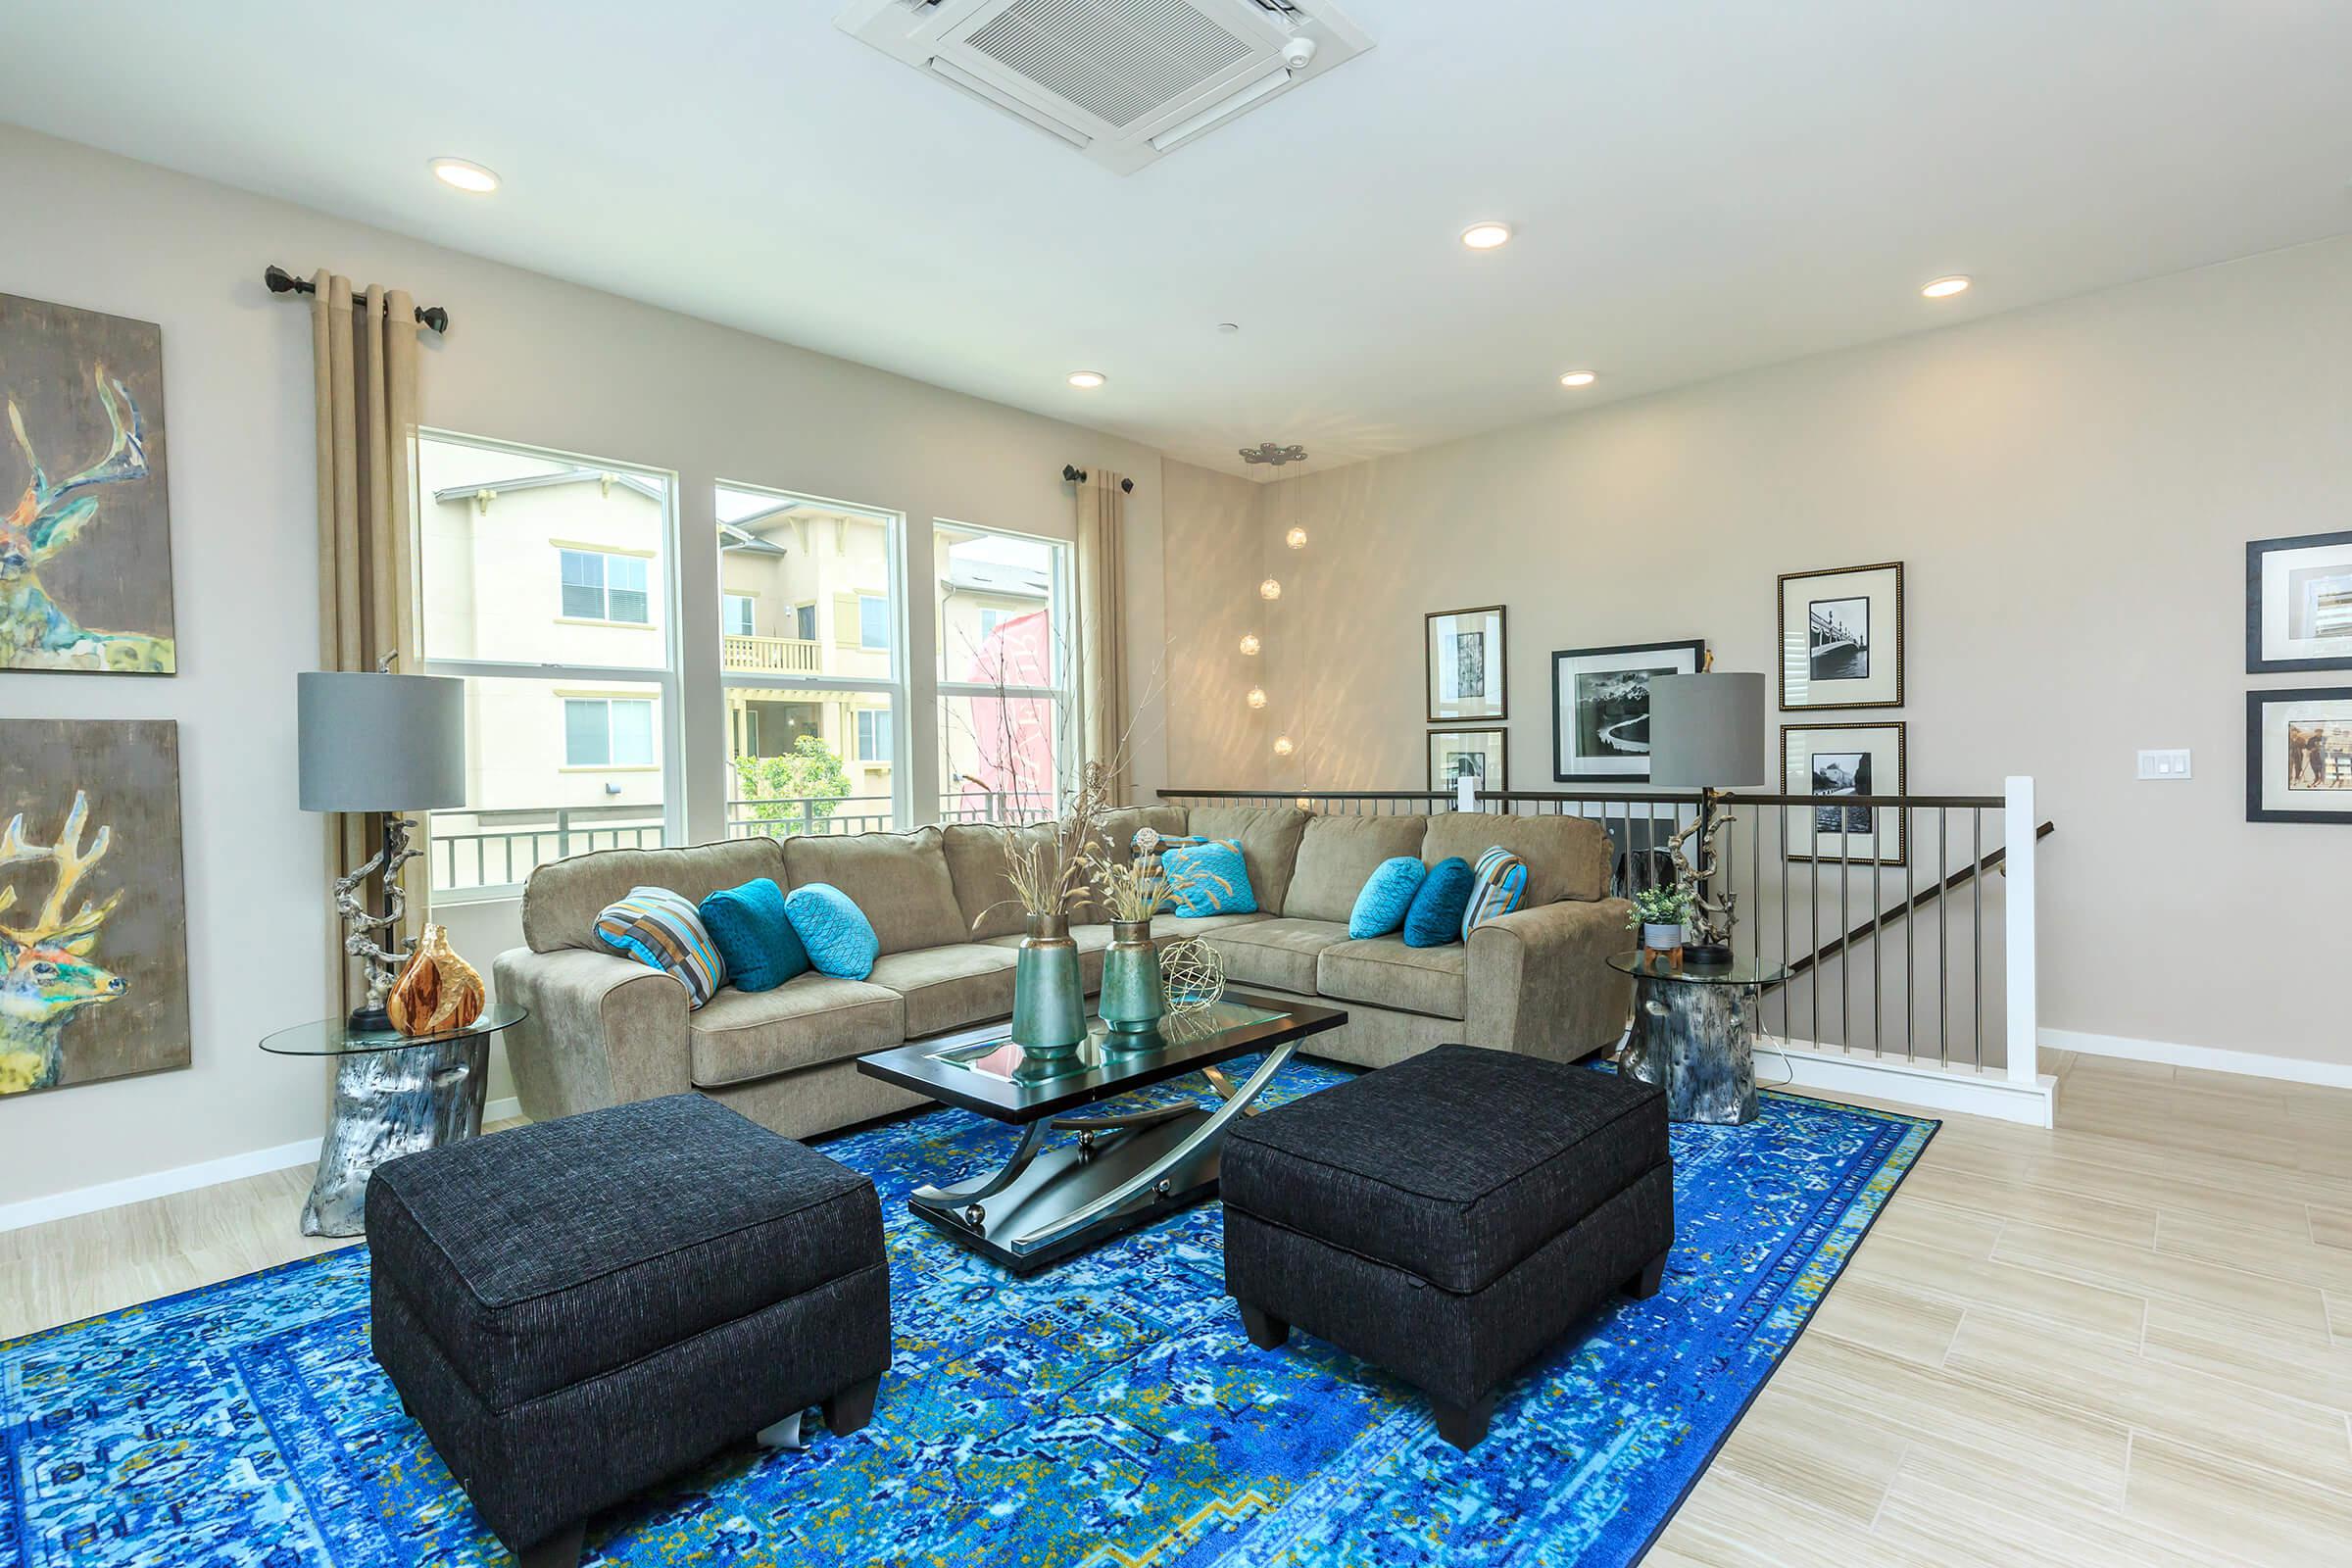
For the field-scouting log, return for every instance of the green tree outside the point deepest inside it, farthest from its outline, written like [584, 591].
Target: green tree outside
[805, 785]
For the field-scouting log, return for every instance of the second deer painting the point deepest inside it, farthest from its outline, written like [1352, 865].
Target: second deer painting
[93, 918]
[85, 549]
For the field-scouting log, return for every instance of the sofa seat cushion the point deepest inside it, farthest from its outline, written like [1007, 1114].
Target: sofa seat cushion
[543, 1256]
[1454, 1165]
[1383, 973]
[949, 988]
[899, 880]
[1093, 942]
[808, 1020]
[1280, 952]
[1167, 928]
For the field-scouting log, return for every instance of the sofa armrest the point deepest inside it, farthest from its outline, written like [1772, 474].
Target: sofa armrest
[604, 1030]
[1539, 982]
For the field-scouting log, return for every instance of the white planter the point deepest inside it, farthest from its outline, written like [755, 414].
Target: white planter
[1661, 938]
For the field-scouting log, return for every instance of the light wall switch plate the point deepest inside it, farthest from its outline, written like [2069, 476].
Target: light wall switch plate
[2163, 765]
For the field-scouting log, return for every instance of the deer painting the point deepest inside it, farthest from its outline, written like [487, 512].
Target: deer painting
[36, 631]
[46, 972]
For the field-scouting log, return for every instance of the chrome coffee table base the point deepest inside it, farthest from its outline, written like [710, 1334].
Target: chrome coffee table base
[1044, 1204]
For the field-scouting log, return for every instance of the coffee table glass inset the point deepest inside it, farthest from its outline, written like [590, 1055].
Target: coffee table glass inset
[1046, 1203]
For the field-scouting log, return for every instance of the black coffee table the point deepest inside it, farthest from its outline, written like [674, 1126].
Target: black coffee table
[1044, 1204]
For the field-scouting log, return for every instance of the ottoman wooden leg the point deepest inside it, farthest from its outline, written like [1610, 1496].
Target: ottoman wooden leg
[1265, 1330]
[1645, 1285]
[853, 1407]
[1463, 1426]
[559, 1550]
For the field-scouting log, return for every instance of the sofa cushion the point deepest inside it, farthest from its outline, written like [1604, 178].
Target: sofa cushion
[834, 932]
[1455, 1166]
[949, 988]
[757, 943]
[1567, 857]
[808, 1020]
[1167, 928]
[900, 880]
[1269, 838]
[1093, 942]
[562, 899]
[977, 854]
[555, 1252]
[1383, 973]
[661, 930]
[1436, 917]
[1387, 894]
[1208, 878]
[1336, 854]
[1279, 952]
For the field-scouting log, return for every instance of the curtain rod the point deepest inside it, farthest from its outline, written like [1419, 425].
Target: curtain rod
[281, 281]
[1077, 475]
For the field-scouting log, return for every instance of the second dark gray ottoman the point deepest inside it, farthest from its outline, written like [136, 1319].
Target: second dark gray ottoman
[576, 1311]
[1450, 1218]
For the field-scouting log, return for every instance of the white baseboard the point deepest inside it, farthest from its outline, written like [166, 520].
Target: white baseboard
[2211, 1058]
[184, 1178]
[1953, 1089]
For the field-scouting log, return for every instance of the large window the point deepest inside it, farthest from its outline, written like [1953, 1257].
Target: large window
[815, 697]
[543, 578]
[1003, 656]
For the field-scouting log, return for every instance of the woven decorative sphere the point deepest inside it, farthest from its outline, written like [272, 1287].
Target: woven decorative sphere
[1191, 973]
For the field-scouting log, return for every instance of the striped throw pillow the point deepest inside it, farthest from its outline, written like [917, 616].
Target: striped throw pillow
[1498, 883]
[659, 928]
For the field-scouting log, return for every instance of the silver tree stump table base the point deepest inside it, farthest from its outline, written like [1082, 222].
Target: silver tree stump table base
[1694, 1034]
[394, 1095]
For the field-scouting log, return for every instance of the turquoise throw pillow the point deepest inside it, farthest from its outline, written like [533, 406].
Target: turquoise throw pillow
[840, 939]
[1387, 894]
[658, 928]
[1208, 877]
[1499, 883]
[760, 949]
[1436, 917]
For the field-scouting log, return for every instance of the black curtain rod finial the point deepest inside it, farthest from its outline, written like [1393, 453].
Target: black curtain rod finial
[280, 281]
[1077, 475]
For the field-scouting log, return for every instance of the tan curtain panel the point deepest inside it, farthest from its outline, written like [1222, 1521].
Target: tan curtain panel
[1102, 624]
[366, 364]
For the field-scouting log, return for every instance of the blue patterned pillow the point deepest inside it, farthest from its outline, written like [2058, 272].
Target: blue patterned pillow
[840, 939]
[1498, 883]
[755, 940]
[1436, 917]
[1208, 877]
[1388, 893]
[658, 928]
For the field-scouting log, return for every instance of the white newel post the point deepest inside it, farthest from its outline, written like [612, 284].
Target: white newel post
[2018, 825]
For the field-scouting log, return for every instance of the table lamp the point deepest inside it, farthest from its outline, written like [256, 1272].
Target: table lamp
[1706, 732]
[383, 744]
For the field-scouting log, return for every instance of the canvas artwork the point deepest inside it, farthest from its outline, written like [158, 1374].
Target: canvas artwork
[1842, 637]
[1601, 701]
[92, 913]
[1463, 653]
[1479, 755]
[1830, 760]
[86, 554]
[2299, 602]
[2299, 755]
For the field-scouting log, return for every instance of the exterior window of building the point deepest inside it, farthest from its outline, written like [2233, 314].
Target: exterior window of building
[543, 578]
[741, 619]
[1005, 717]
[599, 586]
[813, 698]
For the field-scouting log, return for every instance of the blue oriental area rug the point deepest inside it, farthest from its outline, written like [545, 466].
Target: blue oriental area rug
[1108, 1413]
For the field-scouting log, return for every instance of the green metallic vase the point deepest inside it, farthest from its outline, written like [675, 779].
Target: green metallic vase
[1049, 994]
[1132, 1002]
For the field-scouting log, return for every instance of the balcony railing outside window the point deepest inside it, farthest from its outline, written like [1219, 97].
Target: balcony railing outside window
[771, 656]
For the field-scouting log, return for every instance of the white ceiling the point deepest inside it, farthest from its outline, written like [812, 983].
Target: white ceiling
[1699, 185]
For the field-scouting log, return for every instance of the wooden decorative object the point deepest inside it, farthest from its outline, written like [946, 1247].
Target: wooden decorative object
[437, 992]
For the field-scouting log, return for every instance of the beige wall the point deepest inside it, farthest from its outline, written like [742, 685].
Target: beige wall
[2072, 488]
[527, 360]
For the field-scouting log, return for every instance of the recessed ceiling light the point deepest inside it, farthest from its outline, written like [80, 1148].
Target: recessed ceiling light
[1487, 236]
[1086, 380]
[1579, 378]
[463, 176]
[1943, 288]
[1229, 326]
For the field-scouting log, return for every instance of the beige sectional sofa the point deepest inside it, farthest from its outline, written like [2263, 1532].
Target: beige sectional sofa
[605, 1029]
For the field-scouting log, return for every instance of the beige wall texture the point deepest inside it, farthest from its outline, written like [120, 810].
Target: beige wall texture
[527, 360]
[2071, 489]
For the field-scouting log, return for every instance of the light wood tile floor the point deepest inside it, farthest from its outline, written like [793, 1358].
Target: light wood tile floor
[2126, 1342]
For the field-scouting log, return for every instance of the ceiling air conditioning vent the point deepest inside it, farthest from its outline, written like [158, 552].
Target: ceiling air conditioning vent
[1125, 81]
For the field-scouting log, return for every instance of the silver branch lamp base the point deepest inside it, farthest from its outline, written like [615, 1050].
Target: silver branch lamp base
[367, 934]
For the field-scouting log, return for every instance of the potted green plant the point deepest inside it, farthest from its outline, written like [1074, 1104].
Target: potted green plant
[1660, 912]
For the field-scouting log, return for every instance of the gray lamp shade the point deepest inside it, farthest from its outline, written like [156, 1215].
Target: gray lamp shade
[1707, 731]
[381, 743]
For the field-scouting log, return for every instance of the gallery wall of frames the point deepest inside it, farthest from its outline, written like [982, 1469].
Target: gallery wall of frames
[2299, 621]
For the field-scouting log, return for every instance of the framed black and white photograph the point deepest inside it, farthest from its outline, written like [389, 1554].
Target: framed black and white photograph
[1842, 637]
[1465, 653]
[1835, 763]
[2299, 604]
[2299, 755]
[1600, 705]
[1480, 754]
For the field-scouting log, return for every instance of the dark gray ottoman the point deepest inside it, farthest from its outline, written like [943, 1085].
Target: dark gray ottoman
[579, 1309]
[1450, 1218]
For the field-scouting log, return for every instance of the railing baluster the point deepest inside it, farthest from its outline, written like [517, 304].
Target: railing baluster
[1878, 820]
[1976, 901]
[1943, 943]
[1910, 945]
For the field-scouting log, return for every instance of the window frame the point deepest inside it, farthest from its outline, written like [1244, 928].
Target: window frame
[1061, 659]
[888, 625]
[613, 762]
[726, 604]
[605, 590]
[669, 745]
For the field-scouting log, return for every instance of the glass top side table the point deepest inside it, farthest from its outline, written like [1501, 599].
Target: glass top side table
[394, 1095]
[1695, 1033]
